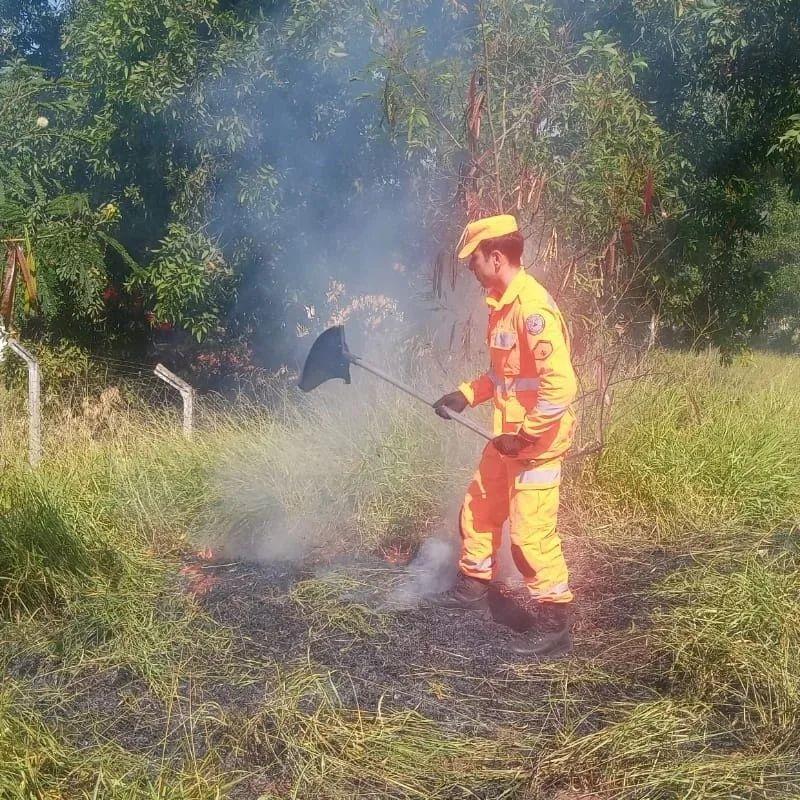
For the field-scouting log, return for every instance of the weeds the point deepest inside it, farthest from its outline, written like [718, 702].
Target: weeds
[331, 752]
[704, 704]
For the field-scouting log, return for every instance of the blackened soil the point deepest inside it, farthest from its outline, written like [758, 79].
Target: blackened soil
[417, 658]
[451, 666]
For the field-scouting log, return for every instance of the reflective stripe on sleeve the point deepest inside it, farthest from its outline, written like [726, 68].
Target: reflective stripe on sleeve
[508, 385]
[504, 340]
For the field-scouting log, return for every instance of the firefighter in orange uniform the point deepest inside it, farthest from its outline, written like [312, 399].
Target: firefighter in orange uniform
[532, 383]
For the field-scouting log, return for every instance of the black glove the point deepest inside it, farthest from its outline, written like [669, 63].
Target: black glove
[454, 401]
[512, 444]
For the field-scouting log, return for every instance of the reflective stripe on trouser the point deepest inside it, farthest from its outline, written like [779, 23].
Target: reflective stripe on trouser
[503, 488]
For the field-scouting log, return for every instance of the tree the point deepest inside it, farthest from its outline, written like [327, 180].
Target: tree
[722, 81]
[536, 122]
[31, 29]
[66, 237]
[222, 168]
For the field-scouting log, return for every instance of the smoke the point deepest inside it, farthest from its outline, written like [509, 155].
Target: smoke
[432, 571]
[344, 469]
[318, 199]
[339, 234]
[261, 530]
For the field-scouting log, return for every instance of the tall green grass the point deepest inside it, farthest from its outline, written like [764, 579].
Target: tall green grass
[699, 450]
[733, 640]
[48, 549]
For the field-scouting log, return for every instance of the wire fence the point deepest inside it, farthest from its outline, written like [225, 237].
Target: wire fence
[94, 393]
[92, 396]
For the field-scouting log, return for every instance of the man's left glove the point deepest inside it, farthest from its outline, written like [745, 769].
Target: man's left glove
[512, 444]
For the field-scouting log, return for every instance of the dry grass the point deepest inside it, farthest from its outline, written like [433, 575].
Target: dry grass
[332, 752]
[702, 704]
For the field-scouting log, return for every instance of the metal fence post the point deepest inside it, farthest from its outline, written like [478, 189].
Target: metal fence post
[187, 394]
[34, 402]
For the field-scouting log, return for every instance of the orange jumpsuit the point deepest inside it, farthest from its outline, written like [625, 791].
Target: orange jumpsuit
[533, 384]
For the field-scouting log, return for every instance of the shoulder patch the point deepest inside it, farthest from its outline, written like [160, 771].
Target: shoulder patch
[534, 324]
[543, 350]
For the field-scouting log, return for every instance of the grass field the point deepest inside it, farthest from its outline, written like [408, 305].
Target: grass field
[136, 669]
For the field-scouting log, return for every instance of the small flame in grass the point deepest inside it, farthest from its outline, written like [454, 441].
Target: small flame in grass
[198, 582]
[397, 554]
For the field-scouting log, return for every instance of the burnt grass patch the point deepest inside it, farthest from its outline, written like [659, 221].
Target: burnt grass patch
[453, 668]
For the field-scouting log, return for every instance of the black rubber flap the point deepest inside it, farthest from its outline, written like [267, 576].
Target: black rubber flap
[326, 359]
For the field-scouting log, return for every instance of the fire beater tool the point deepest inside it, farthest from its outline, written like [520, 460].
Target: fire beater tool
[329, 358]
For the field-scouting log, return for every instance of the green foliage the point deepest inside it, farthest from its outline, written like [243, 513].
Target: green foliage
[553, 122]
[778, 253]
[188, 281]
[64, 364]
[148, 73]
[31, 28]
[722, 83]
[135, 86]
[66, 238]
[648, 133]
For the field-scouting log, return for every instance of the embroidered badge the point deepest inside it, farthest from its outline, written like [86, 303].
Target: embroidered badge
[534, 324]
[542, 351]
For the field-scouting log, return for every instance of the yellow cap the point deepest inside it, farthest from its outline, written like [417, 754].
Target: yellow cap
[486, 228]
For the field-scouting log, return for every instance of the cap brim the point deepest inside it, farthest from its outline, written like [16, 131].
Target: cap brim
[508, 225]
[467, 251]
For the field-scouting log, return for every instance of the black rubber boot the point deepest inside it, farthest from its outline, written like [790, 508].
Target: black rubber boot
[552, 635]
[468, 593]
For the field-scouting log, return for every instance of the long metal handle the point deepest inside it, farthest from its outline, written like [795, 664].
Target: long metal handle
[404, 387]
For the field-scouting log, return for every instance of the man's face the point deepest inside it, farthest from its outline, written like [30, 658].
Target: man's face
[483, 268]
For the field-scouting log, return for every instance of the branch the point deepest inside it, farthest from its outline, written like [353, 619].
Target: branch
[498, 190]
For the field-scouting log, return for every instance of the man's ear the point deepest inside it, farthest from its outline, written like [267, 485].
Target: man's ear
[497, 260]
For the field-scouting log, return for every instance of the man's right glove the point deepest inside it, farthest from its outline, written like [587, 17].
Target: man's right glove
[455, 401]
[513, 444]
